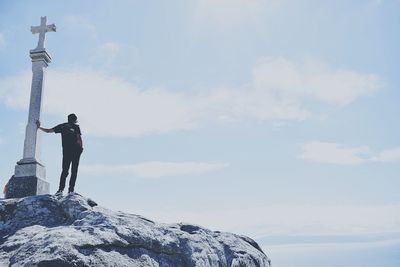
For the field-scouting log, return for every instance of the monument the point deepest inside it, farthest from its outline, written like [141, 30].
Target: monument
[30, 174]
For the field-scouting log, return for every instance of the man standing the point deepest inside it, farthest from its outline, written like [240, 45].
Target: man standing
[72, 150]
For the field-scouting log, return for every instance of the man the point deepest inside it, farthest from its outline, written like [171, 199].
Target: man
[72, 150]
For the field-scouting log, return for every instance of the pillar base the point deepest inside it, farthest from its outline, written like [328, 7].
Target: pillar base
[28, 180]
[18, 187]
[30, 167]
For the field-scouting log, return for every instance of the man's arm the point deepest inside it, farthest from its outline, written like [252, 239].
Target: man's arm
[50, 130]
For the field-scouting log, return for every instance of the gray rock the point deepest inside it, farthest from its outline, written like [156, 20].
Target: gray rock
[74, 231]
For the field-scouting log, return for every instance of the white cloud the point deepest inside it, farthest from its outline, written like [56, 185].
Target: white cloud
[114, 55]
[155, 169]
[112, 48]
[389, 155]
[278, 91]
[334, 153]
[107, 106]
[107, 53]
[281, 88]
[294, 82]
[344, 155]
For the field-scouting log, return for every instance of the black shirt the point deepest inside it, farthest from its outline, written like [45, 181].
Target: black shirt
[69, 135]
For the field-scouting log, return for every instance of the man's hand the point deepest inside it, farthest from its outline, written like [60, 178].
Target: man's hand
[51, 130]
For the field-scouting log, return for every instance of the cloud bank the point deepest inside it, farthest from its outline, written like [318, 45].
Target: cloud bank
[154, 169]
[280, 90]
[292, 219]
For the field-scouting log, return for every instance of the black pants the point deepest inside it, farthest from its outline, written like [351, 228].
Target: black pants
[68, 158]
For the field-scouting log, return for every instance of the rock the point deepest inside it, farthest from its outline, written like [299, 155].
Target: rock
[69, 231]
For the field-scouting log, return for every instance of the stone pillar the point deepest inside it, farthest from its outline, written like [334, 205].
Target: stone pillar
[29, 176]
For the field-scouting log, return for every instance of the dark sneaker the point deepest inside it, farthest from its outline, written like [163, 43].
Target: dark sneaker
[59, 193]
[70, 192]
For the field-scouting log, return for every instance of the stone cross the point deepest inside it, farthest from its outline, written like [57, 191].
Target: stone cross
[30, 174]
[42, 29]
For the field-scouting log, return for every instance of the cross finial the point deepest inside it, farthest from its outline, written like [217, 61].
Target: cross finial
[42, 29]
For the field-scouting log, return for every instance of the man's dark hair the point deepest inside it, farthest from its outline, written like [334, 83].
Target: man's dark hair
[72, 118]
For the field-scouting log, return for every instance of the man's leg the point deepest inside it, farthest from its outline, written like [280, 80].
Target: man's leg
[74, 171]
[65, 167]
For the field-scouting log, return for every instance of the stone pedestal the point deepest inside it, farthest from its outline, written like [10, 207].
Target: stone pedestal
[26, 167]
[18, 187]
[29, 179]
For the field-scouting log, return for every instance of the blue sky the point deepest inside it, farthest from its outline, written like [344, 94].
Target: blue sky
[272, 118]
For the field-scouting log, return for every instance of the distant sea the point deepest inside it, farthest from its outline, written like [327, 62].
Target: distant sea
[350, 253]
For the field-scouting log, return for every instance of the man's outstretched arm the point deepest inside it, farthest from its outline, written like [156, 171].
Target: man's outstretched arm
[50, 130]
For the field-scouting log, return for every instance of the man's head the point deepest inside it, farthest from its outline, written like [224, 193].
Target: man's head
[72, 118]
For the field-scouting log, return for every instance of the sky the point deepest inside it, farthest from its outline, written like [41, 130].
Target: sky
[275, 119]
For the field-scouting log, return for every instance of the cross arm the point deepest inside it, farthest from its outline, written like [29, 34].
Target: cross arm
[38, 29]
[35, 29]
[51, 28]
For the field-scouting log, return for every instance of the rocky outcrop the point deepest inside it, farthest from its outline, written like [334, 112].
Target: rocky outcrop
[74, 231]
